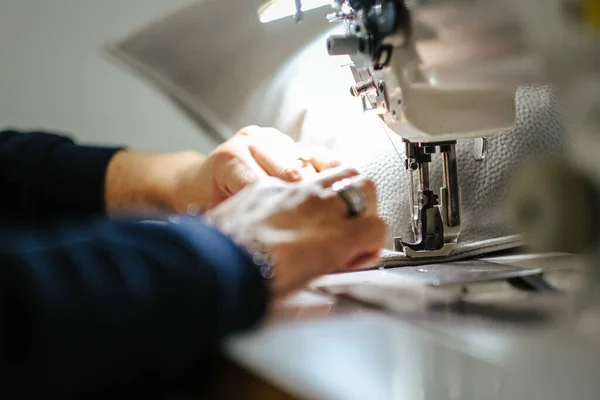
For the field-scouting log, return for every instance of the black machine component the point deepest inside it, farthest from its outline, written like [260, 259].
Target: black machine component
[373, 24]
[428, 226]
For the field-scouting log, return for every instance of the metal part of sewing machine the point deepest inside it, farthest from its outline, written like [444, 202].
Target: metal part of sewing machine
[430, 108]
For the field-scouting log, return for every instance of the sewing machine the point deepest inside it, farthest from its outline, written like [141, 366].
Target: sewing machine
[426, 68]
[439, 71]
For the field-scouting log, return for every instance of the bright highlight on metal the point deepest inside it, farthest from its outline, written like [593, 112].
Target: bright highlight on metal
[272, 10]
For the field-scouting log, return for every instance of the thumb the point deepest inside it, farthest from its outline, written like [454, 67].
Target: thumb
[366, 238]
[236, 175]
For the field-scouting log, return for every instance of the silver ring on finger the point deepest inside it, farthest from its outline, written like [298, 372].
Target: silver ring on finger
[353, 196]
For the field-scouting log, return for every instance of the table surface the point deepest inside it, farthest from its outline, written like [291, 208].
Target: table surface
[506, 344]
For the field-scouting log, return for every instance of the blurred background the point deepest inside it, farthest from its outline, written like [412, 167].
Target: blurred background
[53, 74]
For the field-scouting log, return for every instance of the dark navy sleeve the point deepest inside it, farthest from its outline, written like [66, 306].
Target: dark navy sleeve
[45, 175]
[117, 304]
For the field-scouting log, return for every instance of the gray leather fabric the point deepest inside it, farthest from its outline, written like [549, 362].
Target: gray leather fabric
[305, 93]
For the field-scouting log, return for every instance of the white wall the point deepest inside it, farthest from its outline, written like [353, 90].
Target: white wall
[53, 75]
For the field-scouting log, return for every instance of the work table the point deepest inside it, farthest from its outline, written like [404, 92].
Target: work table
[318, 346]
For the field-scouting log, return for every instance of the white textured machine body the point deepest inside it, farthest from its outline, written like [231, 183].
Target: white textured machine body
[457, 76]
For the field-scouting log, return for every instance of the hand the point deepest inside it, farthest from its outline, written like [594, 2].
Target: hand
[305, 226]
[176, 182]
[251, 154]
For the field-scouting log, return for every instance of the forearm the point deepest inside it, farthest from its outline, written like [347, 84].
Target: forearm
[47, 176]
[146, 182]
[109, 303]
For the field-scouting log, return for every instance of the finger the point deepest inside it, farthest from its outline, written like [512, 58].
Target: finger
[361, 261]
[352, 245]
[279, 164]
[277, 153]
[331, 176]
[321, 158]
[238, 174]
[364, 185]
[365, 239]
[367, 187]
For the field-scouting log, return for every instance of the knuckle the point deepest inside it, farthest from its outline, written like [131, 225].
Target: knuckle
[224, 153]
[351, 171]
[289, 174]
[319, 200]
[369, 185]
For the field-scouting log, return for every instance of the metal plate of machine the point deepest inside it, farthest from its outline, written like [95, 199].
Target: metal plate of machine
[464, 272]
